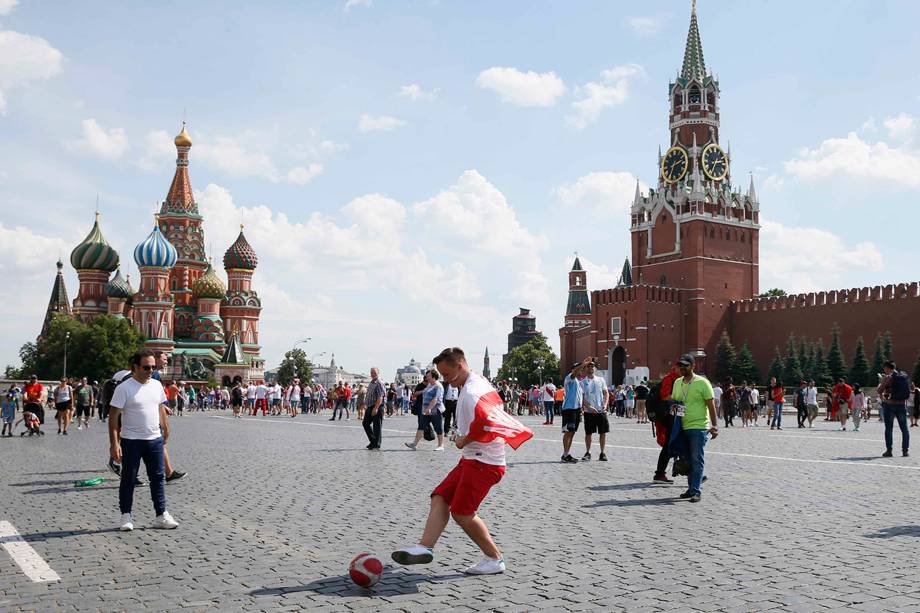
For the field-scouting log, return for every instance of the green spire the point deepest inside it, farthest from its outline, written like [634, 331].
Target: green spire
[694, 66]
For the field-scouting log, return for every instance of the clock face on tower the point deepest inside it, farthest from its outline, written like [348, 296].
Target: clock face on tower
[715, 162]
[674, 164]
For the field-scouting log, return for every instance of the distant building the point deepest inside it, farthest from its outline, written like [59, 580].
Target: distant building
[486, 372]
[410, 374]
[59, 302]
[523, 328]
[329, 376]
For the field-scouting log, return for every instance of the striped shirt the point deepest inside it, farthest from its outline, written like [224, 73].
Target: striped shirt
[375, 391]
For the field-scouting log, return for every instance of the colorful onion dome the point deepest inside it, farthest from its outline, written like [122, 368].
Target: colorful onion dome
[209, 285]
[155, 251]
[241, 255]
[118, 287]
[94, 253]
[183, 139]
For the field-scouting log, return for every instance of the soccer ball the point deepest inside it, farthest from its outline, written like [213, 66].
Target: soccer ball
[365, 570]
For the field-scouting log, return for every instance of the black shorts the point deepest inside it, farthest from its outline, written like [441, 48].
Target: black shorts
[82, 411]
[571, 419]
[596, 423]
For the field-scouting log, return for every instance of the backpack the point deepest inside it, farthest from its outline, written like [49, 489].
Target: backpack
[656, 408]
[108, 390]
[899, 389]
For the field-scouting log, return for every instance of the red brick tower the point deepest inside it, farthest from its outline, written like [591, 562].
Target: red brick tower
[180, 223]
[696, 231]
[578, 309]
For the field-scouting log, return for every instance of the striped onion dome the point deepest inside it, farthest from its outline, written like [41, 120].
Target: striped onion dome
[241, 255]
[118, 287]
[155, 251]
[94, 253]
[209, 285]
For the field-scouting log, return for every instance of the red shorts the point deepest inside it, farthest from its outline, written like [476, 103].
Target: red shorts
[465, 487]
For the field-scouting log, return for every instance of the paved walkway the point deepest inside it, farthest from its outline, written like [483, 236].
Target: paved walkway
[274, 508]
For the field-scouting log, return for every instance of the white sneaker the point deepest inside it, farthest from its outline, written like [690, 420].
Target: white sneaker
[416, 554]
[487, 566]
[79, 427]
[439, 448]
[127, 523]
[165, 521]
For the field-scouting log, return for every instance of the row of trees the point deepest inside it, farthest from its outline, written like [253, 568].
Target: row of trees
[93, 350]
[809, 360]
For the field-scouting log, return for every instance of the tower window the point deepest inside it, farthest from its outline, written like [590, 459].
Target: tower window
[663, 281]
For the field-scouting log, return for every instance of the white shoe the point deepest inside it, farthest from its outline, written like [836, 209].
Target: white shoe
[439, 448]
[79, 427]
[487, 566]
[165, 521]
[127, 523]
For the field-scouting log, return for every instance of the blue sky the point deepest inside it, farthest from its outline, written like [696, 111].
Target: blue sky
[412, 172]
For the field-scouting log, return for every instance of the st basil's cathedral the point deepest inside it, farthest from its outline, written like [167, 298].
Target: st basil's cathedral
[182, 306]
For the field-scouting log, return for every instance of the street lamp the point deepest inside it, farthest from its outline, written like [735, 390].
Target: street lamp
[66, 338]
[539, 364]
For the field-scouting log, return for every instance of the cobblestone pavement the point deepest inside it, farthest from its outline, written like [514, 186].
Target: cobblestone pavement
[274, 508]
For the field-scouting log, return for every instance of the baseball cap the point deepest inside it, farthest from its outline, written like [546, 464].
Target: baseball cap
[685, 360]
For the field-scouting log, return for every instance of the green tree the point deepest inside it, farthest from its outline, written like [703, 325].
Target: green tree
[878, 355]
[295, 364]
[725, 357]
[28, 354]
[836, 363]
[916, 376]
[95, 350]
[887, 346]
[776, 366]
[819, 372]
[859, 371]
[744, 367]
[773, 293]
[531, 362]
[792, 367]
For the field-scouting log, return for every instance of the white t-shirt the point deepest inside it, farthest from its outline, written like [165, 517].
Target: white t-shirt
[62, 393]
[594, 394]
[549, 392]
[471, 393]
[140, 408]
[261, 391]
[276, 392]
[755, 397]
[450, 393]
[717, 394]
[250, 392]
[811, 395]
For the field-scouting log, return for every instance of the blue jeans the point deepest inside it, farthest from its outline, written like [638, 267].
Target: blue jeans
[890, 412]
[777, 415]
[696, 440]
[548, 409]
[132, 452]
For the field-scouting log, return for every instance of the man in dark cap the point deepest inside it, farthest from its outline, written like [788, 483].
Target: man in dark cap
[694, 404]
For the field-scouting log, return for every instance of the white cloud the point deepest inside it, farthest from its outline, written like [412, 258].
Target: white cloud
[330, 146]
[902, 127]
[606, 193]
[108, 144]
[522, 88]
[811, 259]
[23, 251]
[773, 183]
[301, 175]
[645, 26]
[854, 157]
[350, 4]
[598, 276]
[25, 58]
[610, 90]
[379, 123]
[414, 92]
[6, 6]
[159, 149]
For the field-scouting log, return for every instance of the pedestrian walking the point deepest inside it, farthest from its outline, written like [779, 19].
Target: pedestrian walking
[729, 402]
[801, 404]
[811, 403]
[451, 394]
[842, 401]
[431, 411]
[63, 402]
[84, 399]
[697, 413]
[594, 402]
[8, 412]
[373, 417]
[236, 399]
[140, 402]
[894, 392]
[915, 405]
[859, 406]
[777, 399]
[549, 399]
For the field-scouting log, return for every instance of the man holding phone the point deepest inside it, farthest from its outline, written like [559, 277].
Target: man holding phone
[694, 404]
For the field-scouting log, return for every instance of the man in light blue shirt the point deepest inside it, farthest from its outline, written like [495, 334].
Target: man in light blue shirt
[571, 408]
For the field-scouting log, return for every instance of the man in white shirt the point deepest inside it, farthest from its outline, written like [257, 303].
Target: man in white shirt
[261, 399]
[549, 399]
[811, 403]
[717, 398]
[140, 402]
[595, 394]
[451, 394]
[755, 403]
[249, 392]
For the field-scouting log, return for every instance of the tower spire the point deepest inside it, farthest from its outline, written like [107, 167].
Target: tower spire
[180, 198]
[694, 67]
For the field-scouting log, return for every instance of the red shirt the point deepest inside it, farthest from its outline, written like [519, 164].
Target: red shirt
[347, 393]
[778, 393]
[33, 392]
[172, 392]
[667, 384]
[842, 391]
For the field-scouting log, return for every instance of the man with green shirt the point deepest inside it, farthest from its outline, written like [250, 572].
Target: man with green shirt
[694, 393]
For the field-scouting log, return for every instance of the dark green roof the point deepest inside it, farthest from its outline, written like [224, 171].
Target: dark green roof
[694, 65]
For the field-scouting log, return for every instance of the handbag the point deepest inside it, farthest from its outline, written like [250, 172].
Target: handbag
[429, 433]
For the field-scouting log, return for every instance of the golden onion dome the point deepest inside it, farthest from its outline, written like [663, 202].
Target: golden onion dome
[209, 285]
[183, 139]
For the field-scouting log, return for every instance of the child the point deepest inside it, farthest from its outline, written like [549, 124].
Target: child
[484, 428]
[32, 425]
[8, 413]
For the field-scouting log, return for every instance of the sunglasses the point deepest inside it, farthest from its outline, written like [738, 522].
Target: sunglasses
[147, 367]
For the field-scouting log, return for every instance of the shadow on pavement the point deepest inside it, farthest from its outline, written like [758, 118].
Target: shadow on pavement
[640, 502]
[393, 582]
[860, 458]
[894, 531]
[69, 472]
[535, 462]
[644, 485]
[34, 483]
[65, 490]
[44, 536]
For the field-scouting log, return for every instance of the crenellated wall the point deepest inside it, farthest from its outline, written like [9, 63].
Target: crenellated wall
[766, 322]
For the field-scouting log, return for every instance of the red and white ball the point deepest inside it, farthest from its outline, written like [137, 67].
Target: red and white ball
[365, 570]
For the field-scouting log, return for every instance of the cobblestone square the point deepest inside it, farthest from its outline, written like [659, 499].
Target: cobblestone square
[274, 508]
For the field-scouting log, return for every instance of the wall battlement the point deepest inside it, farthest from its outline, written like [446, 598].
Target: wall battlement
[633, 293]
[901, 291]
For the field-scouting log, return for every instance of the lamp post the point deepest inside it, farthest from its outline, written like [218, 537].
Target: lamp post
[313, 358]
[66, 338]
[539, 364]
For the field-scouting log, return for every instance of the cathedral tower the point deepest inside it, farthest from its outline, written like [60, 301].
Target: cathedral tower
[241, 306]
[578, 309]
[486, 371]
[59, 302]
[153, 304]
[94, 259]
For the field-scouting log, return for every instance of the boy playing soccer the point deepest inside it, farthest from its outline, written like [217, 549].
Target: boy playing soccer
[483, 429]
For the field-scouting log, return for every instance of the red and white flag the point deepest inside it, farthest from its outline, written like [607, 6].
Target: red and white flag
[491, 422]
